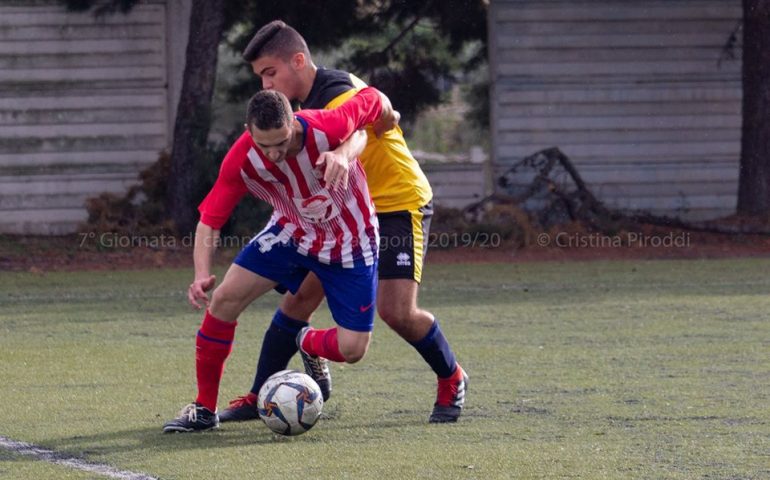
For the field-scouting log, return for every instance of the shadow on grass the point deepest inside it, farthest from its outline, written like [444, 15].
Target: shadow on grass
[153, 440]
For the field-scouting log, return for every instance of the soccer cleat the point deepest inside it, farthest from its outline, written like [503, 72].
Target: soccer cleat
[316, 367]
[193, 418]
[450, 398]
[241, 409]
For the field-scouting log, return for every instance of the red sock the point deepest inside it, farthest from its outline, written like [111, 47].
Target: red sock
[212, 347]
[323, 343]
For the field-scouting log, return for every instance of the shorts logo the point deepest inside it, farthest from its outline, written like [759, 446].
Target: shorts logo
[403, 260]
[364, 309]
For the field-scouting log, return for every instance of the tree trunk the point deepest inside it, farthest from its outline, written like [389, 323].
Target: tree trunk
[754, 179]
[193, 117]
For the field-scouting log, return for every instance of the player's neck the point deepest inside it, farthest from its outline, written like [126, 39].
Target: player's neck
[308, 78]
[296, 139]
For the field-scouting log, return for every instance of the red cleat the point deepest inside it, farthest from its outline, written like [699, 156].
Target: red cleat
[450, 397]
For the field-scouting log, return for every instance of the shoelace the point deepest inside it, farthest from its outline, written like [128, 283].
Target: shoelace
[191, 412]
[317, 366]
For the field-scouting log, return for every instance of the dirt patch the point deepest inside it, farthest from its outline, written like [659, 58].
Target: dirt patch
[41, 254]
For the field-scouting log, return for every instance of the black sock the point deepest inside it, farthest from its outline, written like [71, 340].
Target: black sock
[278, 346]
[435, 349]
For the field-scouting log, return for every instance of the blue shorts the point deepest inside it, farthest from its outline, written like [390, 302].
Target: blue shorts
[350, 292]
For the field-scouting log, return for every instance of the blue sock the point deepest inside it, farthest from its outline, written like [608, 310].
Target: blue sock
[278, 346]
[436, 351]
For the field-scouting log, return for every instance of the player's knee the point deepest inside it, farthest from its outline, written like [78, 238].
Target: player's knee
[394, 315]
[353, 356]
[221, 297]
[224, 304]
[354, 352]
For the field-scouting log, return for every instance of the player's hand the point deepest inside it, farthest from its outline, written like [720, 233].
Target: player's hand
[337, 170]
[197, 291]
[389, 117]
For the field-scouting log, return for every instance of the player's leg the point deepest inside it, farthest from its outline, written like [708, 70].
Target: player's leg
[337, 344]
[213, 345]
[262, 264]
[350, 295]
[278, 346]
[279, 343]
[403, 240]
[397, 306]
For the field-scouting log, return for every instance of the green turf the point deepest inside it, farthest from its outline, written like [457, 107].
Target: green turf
[579, 370]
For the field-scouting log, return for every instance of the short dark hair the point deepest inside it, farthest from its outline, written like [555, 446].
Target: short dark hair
[276, 38]
[269, 110]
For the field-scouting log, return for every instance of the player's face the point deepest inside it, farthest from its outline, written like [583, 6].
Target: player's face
[280, 75]
[274, 143]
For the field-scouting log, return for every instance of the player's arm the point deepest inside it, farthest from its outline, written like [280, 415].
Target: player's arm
[361, 109]
[215, 210]
[206, 242]
[339, 160]
[389, 117]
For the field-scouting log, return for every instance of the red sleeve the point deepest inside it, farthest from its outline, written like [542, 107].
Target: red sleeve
[229, 188]
[339, 123]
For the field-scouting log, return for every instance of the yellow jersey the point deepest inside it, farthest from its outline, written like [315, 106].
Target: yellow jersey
[395, 179]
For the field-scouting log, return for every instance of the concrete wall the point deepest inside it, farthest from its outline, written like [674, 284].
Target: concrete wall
[85, 104]
[635, 92]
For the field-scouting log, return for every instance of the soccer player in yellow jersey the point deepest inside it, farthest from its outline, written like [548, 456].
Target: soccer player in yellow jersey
[403, 199]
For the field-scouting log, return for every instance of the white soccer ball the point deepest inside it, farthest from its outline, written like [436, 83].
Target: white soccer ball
[290, 402]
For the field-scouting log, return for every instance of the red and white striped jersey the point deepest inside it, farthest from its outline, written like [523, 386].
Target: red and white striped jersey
[333, 226]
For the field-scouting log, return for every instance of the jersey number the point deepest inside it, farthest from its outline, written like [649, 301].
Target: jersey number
[267, 241]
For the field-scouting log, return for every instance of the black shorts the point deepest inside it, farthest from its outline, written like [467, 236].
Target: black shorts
[404, 242]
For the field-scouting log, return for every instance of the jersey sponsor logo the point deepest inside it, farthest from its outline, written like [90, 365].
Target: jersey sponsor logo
[403, 260]
[317, 209]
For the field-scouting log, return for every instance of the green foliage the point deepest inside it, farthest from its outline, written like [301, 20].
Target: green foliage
[476, 92]
[412, 72]
[323, 24]
[607, 370]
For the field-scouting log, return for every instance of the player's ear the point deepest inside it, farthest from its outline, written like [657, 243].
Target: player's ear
[298, 61]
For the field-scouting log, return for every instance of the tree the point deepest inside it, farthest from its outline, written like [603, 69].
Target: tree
[193, 115]
[754, 178]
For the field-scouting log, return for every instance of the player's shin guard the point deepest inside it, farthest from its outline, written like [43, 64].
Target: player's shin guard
[212, 347]
[323, 343]
[278, 346]
[436, 351]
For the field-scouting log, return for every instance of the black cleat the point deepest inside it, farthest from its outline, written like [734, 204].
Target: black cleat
[450, 399]
[192, 418]
[242, 409]
[316, 367]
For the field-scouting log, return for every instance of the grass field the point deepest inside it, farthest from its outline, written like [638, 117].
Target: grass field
[578, 370]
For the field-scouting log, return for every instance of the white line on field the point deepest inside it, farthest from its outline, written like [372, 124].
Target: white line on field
[50, 456]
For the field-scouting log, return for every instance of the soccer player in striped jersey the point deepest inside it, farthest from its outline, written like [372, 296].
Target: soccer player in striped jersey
[403, 199]
[323, 222]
